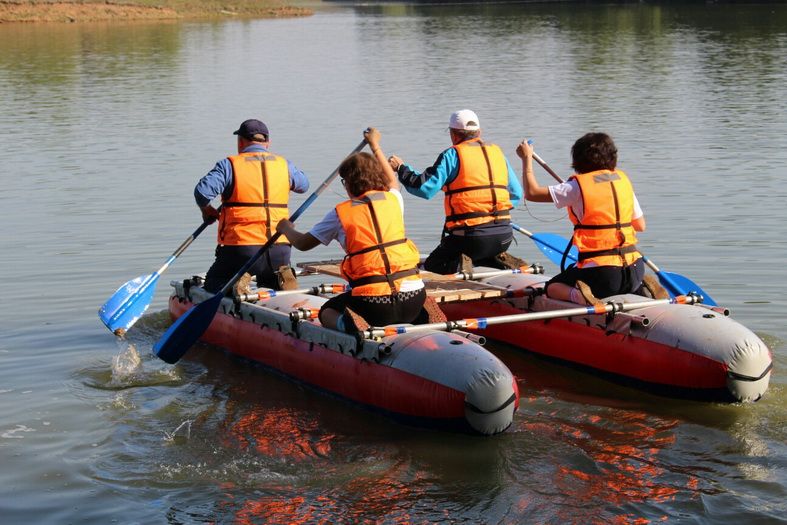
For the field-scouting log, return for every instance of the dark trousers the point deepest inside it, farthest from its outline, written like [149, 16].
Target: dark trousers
[230, 259]
[605, 280]
[480, 247]
[380, 310]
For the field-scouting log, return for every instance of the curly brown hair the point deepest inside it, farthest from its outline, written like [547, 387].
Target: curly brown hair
[593, 152]
[361, 173]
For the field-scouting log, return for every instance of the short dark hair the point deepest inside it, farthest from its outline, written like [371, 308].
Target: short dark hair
[466, 134]
[361, 173]
[593, 152]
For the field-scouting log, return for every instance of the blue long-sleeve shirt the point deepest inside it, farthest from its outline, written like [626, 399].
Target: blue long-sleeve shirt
[445, 169]
[219, 180]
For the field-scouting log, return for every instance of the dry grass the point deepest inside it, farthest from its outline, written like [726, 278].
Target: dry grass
[87, 11]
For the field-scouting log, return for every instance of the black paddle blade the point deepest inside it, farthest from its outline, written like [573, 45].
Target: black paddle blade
[187, 330]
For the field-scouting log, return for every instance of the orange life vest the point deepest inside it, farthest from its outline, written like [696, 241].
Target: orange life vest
[379, 256]
[605, 234]
[479, 193]
[258, 201]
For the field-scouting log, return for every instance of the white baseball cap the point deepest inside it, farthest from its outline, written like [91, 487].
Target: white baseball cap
[464, 119]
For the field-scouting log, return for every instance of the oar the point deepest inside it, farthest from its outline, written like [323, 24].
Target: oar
[472, 276]
[550, 244]
[483, 322]
[191, 325]
[262, 295]
[131, 300]
[674, 283]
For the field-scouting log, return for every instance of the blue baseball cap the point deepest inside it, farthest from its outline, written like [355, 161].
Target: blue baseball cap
[252, 127]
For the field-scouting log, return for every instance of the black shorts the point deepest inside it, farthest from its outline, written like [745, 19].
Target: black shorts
[480, 244]
[381, 310]
[230, 259]
[604, 280]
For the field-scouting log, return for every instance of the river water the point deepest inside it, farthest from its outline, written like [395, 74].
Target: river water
[106, 128]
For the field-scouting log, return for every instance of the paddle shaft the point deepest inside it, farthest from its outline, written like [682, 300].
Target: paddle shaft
[185, 244]
[535, 237]
[471, 276]
[131, 300]
[483, 322]
[546, 167]
[262, 295]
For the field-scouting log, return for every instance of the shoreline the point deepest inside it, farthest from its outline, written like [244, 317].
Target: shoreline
[65, 11]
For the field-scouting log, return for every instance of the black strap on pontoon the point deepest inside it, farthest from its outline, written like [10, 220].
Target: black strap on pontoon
[498, 409]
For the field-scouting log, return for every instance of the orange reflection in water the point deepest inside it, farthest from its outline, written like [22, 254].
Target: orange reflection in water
[279, 432]
[271, 510]
[365, 496]
[624, 447]
[378, 497]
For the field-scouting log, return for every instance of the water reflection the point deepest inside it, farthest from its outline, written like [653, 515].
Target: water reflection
[57, 54]
[107, 127]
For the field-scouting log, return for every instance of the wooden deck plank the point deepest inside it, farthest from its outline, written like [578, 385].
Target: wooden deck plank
[443, 288]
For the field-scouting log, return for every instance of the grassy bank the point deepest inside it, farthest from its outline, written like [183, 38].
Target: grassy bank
[90, 10]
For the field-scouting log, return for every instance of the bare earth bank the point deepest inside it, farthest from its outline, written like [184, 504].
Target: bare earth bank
[87, 11]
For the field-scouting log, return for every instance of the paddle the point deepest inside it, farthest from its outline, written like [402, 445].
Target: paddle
[483, 322]
[191, 325]
[550, 244]
[263, 295]
[674, 283]
[131, 300]
[472, 276]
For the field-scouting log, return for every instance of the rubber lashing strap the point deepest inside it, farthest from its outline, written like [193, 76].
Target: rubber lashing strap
[742, 377]
[498, 409]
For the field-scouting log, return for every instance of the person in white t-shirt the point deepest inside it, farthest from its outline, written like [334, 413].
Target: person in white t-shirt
[381, 264]
[606, 215]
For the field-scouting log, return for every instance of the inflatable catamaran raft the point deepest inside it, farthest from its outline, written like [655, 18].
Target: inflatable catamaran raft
[675, 347]
[431, 378]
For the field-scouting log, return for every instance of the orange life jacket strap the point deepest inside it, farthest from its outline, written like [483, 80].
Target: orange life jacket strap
[489, 174]
[388, 277]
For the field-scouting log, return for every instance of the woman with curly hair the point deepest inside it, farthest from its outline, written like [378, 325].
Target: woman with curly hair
[381, 263]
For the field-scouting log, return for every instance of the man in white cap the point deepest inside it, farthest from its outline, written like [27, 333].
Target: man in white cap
[254, 186]
[480, 189]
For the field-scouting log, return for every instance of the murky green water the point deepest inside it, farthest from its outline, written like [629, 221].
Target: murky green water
[106, 128]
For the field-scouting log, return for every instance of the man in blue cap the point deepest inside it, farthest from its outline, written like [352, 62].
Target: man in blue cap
[254, 188]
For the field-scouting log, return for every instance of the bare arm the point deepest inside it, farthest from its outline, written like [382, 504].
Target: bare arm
[301, 241]
[639, 223]
[372, 136]
[533, 191]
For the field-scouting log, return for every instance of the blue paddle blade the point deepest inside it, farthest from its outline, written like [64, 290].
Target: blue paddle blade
[677, 284]
[187, 330]
[128, 303]
[553, 246]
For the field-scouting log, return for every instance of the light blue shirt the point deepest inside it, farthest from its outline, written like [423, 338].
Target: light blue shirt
[445, 169]
[219, 180]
